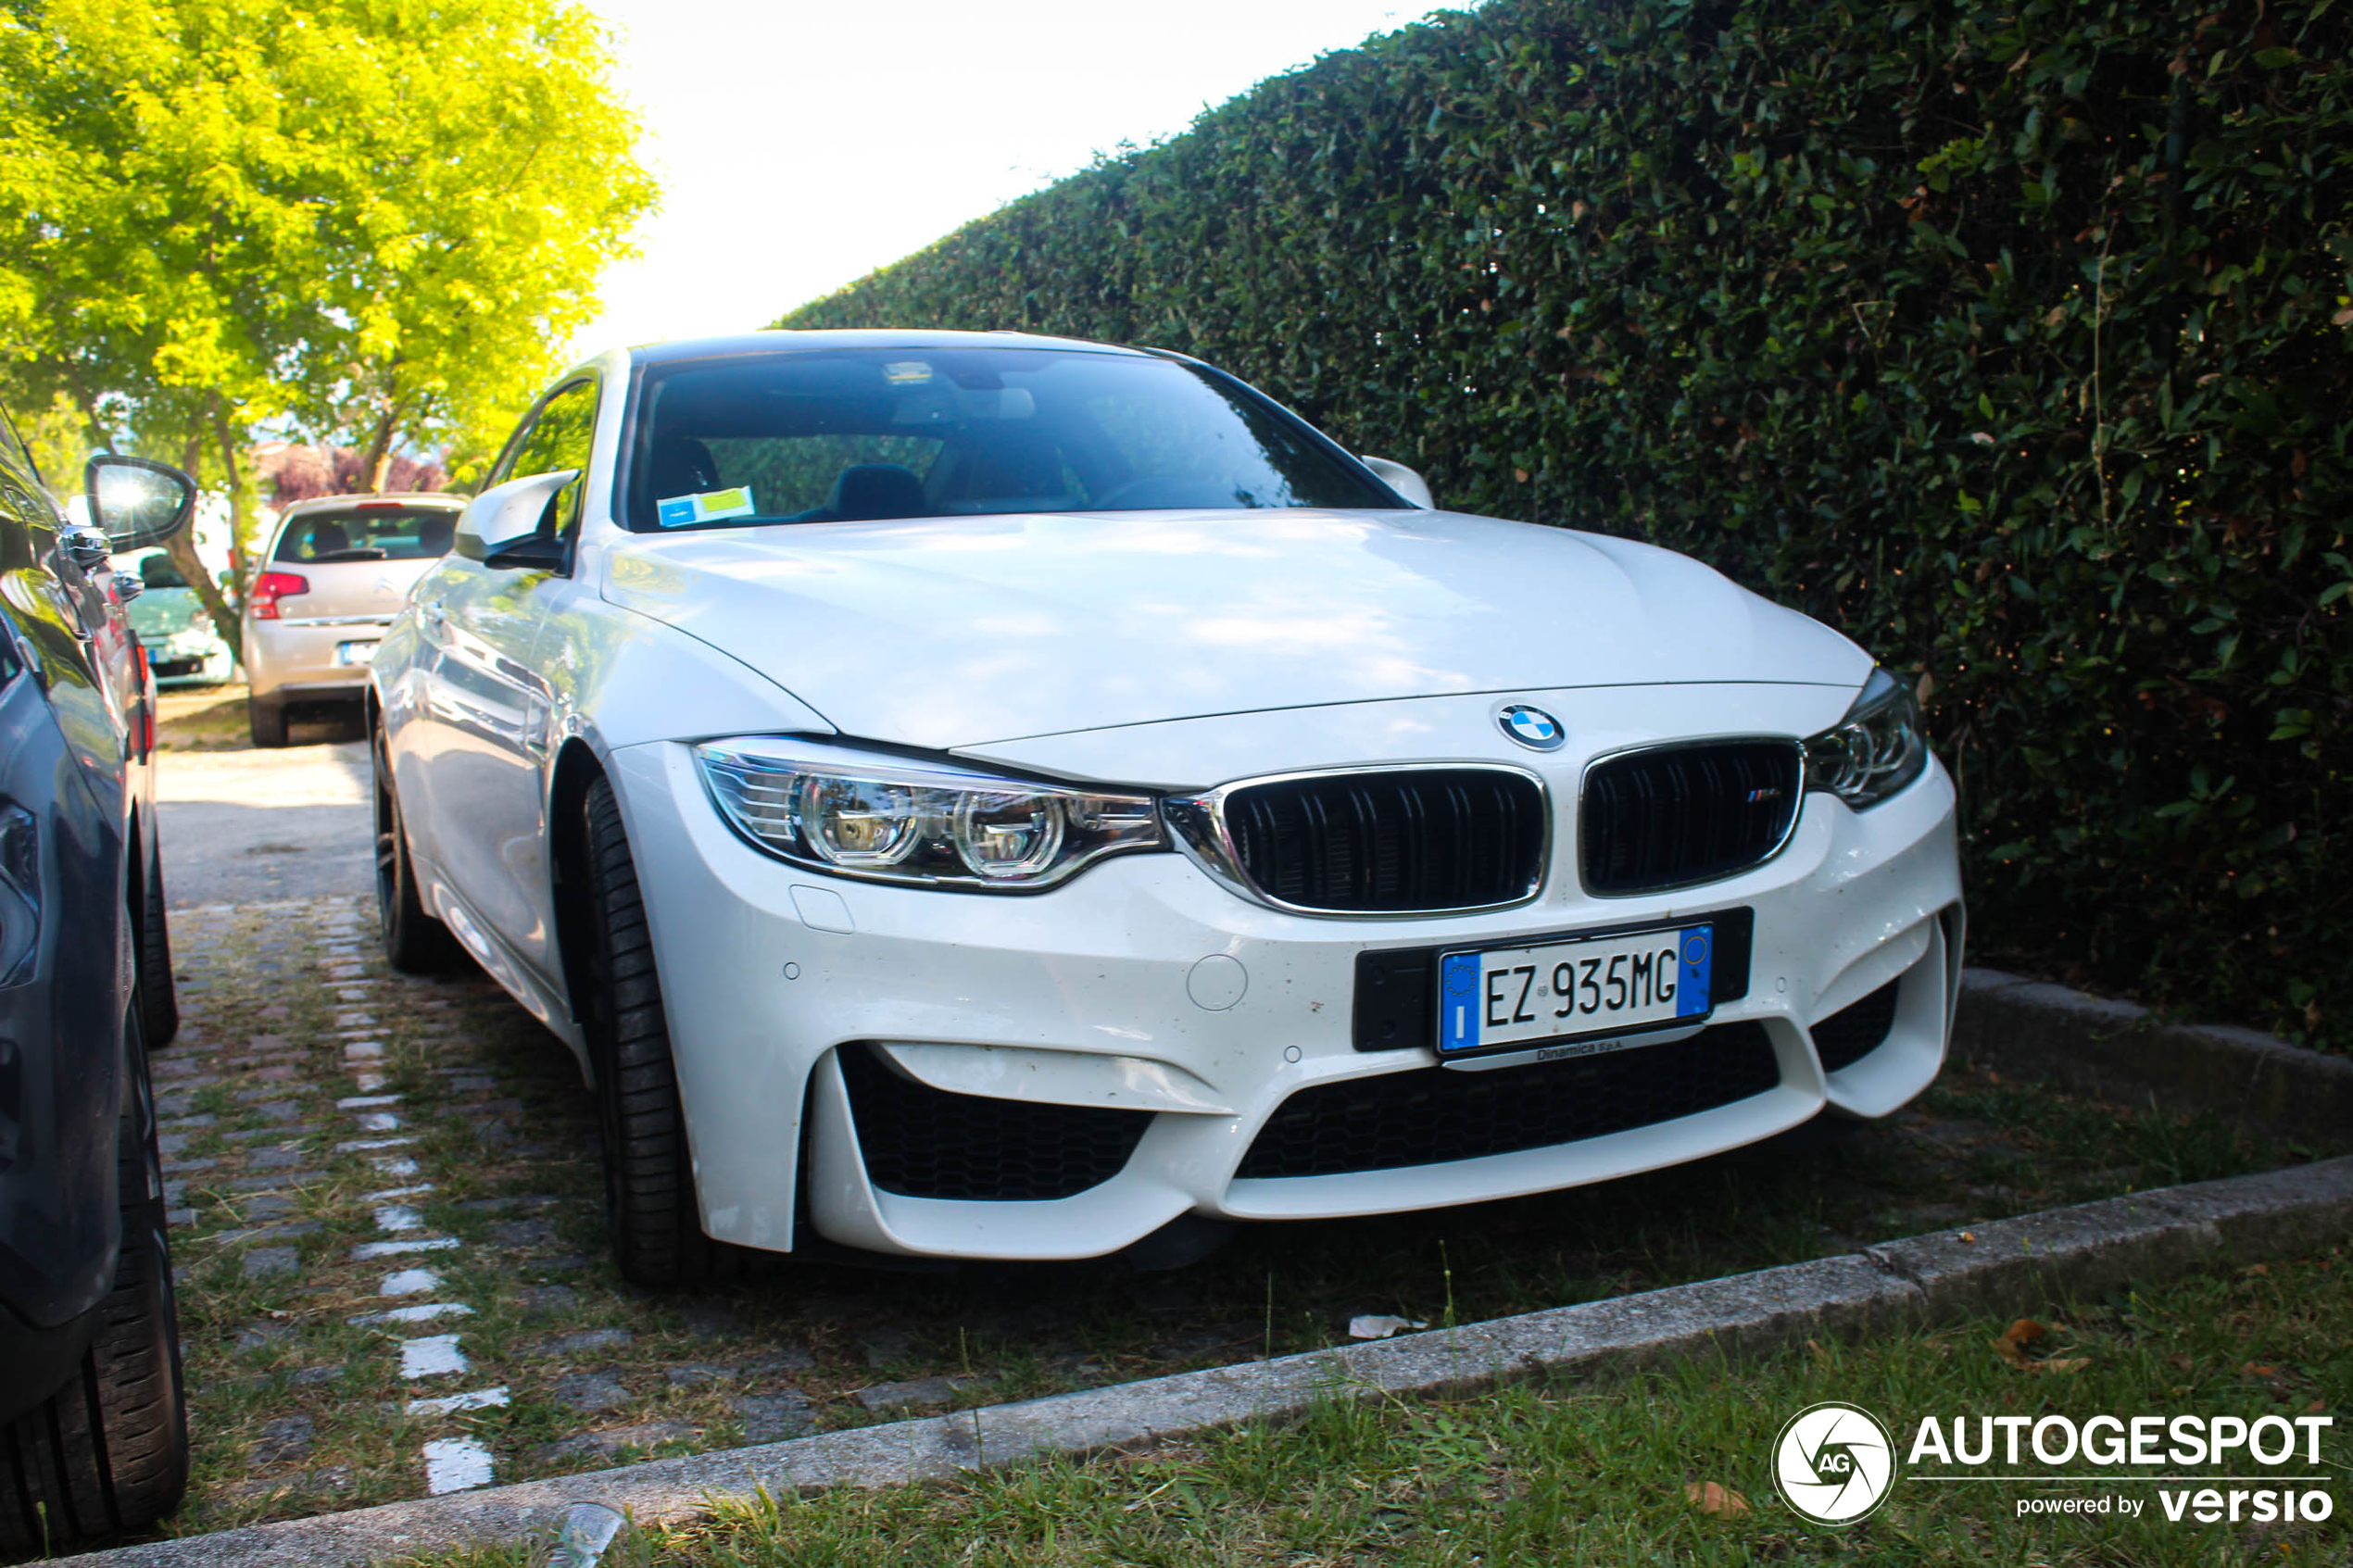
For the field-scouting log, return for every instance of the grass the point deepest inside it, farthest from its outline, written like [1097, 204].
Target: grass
[1561, 1472]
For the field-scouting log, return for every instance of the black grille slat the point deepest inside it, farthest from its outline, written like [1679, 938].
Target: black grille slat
[1447, 838]
[1676, 816]
[1433, 1115]
[1856, 1031]
[922, 1142]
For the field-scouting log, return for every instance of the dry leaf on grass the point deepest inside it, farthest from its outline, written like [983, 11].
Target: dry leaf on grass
[2258, 1368]
[1710, 1497]
[2011, 1347]
[2254, 1270]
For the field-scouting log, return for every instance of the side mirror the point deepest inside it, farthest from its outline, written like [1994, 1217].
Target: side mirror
[1404, 481]
[134, 501]
[506, 515]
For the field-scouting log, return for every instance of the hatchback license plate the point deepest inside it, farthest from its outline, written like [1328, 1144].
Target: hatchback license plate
[1574, 989]
[355, 653]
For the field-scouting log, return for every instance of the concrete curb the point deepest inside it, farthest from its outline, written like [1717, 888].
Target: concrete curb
[2130, 1054]
[2005, 1265]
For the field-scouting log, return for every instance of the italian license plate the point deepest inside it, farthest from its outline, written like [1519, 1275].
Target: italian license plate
[1577, 988]
[355, 653]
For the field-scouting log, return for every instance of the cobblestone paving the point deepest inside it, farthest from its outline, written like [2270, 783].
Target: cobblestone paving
[394, 1280]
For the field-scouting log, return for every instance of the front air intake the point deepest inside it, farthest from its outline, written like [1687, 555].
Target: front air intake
[922, 1142]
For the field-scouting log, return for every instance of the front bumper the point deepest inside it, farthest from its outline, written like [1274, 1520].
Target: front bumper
[1144, 988]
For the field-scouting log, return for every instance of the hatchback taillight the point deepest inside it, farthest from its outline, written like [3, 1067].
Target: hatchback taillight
[271, 587]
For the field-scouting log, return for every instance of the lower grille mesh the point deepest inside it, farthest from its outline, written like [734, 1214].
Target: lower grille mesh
[1852, 1033]
[1436, 1114]
[922, 1142]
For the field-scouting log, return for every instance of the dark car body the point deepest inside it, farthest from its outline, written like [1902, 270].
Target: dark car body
[80, 919]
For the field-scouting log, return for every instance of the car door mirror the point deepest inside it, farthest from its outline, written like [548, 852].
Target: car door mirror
[135, 501]
[1404, 481]
[506, 515]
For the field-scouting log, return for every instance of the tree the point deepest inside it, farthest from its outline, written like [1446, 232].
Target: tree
[373, 220]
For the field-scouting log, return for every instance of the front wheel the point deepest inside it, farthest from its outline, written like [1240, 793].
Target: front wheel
[108, 1452]
[415, 942]
[651, 1209]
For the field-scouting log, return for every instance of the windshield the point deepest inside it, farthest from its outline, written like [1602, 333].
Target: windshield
[369, 531]
[853, 434]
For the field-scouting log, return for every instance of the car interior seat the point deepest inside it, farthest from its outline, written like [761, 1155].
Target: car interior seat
[866, 491]
[327, 539]
[157, 571]
[435, 531]
[679, 465]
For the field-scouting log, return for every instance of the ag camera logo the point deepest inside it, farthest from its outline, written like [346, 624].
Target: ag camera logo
[1833, 1462]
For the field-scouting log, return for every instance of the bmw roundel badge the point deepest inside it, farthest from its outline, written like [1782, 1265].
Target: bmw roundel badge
[1532, 727]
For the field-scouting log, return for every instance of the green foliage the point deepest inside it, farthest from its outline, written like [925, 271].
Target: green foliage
[371, 218]
[2010, 339]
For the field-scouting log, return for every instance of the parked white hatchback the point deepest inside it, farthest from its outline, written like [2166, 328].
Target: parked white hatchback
[983, 796]
[337, 571]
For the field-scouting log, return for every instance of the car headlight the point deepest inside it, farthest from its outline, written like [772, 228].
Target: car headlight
[835, 810]
[1875, 750]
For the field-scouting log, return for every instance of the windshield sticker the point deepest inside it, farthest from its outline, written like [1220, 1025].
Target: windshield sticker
[907, 372]
[680, 511]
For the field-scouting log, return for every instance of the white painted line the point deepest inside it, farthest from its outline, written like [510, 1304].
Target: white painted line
[369, 1080]
[378, 1122]
[472, 1400]
[362, 1050]
[396, 1192]
[432, 1355]
[423, 1311]
[367, 1250]
[395, 1165]
[362, 1102]
[357, 1144]
[398, 1217]
[408, 1281]
[456, 1465]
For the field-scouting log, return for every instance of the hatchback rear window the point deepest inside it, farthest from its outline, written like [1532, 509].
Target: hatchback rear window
[377, 532]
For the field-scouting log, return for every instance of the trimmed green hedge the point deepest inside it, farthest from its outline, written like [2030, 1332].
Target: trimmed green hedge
[2012, 340]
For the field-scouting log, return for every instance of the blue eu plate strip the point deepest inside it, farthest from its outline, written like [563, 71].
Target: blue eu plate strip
[1458, 991]
[1691, 989]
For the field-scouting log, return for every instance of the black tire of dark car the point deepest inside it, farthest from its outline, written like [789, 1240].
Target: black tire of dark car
[266, 721]
[650, 1210]
[158, 1001]
[415, 942]
[108, 1452]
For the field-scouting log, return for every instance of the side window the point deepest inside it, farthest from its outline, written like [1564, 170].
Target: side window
[559, 437]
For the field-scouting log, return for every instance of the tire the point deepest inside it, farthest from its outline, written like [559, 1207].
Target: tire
[651, 1212]
[415, 942]
[108, 1452]
[266, 721]
[158, 999]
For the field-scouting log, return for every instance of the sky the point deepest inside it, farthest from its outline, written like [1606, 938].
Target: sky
[800, 146]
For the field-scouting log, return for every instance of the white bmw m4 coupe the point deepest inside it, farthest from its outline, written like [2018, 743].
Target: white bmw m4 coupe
[989, 796]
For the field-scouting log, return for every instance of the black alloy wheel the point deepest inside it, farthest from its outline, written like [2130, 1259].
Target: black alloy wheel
[415, 942]
[108, 1452]
[651, 1209]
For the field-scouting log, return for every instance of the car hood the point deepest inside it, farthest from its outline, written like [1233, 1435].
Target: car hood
[944, 633]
